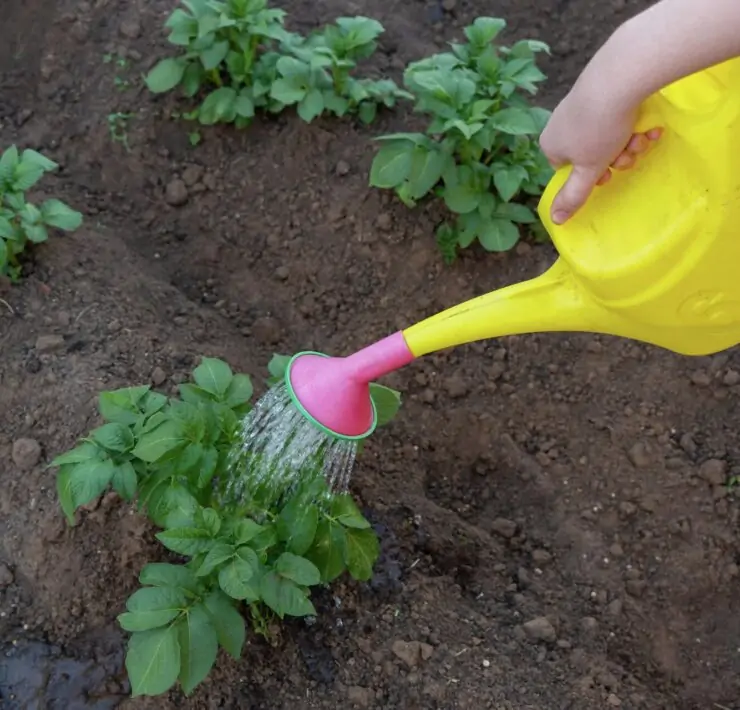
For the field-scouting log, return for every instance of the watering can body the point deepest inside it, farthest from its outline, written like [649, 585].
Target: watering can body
[654, 255]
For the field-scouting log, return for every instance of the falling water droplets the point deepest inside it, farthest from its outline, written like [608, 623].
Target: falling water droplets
[279, 447]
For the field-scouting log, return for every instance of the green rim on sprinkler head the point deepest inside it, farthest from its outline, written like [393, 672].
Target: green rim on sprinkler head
[328, 390]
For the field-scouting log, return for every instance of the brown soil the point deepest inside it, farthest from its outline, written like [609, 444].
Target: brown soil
[553, 476]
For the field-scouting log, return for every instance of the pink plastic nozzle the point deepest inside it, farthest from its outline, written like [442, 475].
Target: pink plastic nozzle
[334, 392]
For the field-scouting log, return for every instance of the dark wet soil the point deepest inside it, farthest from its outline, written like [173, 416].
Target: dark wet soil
[556, 529]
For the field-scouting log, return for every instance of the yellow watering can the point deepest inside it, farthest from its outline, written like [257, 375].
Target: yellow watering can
[654, 256]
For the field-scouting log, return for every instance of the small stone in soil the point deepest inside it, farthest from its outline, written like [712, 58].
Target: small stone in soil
[540, 629]
[158, 376]
[282, 272]
[359, 696]
[131, 29]
[640, 454]
[505, 528]
[176, 193]
[449, 5]
[6, 576]
[49, 343]
[192, 175]
[714, 471]
[266, 330]
[456, 387]
[411, 652]
[342, 168]
[384, 222]
[26, 453]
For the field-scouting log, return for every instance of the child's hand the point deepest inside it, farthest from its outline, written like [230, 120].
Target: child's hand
[594, 140]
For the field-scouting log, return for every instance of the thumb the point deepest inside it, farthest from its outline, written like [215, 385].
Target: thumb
[574, 193]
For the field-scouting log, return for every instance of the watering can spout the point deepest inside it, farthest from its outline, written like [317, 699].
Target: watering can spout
[551, 302]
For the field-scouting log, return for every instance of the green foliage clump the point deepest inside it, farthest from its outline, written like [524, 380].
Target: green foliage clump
[480, 151]
[259, 554]
[241, 55]
[21, 221]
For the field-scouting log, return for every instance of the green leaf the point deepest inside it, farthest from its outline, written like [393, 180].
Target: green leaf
[153, 661]
[392, 164]
[498, 235]
[484, 30]
[246, 530]
[36, 233]
[198, 647]
[327, 552]
[186, 541]
[239, 391]
[217, 555]
[516, 213]
[7, 230]
[163, 574]
[26, 175]
[33, 157]
[427, 166]
[387, 402]
[56, 214]
[114, 437]
[8, 164]
[228, 622]
[461, 198]
[345, 510]
[213, 375]
[192, 394]
[360, 552]
[284, 597]
[214, 55]
[163, 439]
[515, 122]
[287, 92]
[298, 569]
[367, 112]
[244, 105]
[64, 493]
[172, 505]
[508, 180]
[166, 75]
[219, 105]
[278, 365]
[122, 405]
[210, 520]
[296, 525]
[124, 480]
[311, 106]
[152, 607]
[208, 464]
[82, 452]
[85, 481]
[236, 578]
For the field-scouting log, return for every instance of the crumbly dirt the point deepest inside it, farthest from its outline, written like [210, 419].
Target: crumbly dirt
[556, 532]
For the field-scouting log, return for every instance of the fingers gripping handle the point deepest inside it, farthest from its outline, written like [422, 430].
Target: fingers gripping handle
[650, 116]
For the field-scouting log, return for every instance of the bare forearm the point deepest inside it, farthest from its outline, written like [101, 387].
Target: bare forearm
[670, 40]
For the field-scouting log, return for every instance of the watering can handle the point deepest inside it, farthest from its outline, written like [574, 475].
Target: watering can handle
[650, 116]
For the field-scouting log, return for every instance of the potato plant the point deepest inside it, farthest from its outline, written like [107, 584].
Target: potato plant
[256, 556]
[240, 56]
[479, 152]
[21, 221]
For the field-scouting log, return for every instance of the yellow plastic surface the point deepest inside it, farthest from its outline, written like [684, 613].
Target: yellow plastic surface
[653, 256]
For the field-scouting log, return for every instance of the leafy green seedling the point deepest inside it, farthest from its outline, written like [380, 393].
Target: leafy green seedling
[118, 128]
[480, 151]
[257, 556]
[239, 52]
[21, 221]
